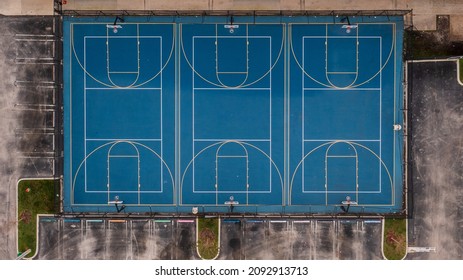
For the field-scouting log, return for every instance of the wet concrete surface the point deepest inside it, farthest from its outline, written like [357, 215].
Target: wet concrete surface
[436, 159]
[29, 94]
[116, 239]
[174, 239]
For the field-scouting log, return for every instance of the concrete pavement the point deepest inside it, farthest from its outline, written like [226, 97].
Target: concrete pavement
[424, 11]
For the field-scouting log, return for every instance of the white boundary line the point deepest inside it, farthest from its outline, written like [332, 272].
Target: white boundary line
[121, 88]
[381, 109]
[337, 89]
[108, 182]
[186, 170]
[72, 53]
[219, 84]
[132, 143]
[380, 93]
[344, 89]
[85, 112]
[234, 139]
[160, 97]
[122, 139]
[231, 89]
[347, 140]
[234, 89]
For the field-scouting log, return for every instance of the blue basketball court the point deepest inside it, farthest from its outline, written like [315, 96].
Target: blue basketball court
[258, 115]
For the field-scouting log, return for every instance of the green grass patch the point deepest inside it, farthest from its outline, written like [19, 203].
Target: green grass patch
[395, 239]
[208, 237]
[34, 197]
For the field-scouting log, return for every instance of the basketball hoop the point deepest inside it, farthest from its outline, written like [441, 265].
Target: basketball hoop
[231, 203]
[115, 201]
[114, 27]
[231, 27]
[349, 201]
[349, 27]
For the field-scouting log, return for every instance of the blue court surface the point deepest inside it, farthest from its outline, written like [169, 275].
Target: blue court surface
[262, 115]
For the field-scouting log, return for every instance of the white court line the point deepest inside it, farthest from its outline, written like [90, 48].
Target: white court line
[341, 37]
[341, 156]
[85, 113]
[395, 120]
[126, 204]
[231, 192]
[138, 38]
[233, 89]
[108, 182]
[228, 37]
[224, 72]
[137, 24]
[71, 57]
[121, 88]
[344, 89]
[317, 81]
[327, 170]
[121, 72]
[303, 115]
[86, 89]
[231, 156]
[270, 114]
[244, 143]
[335, 72]
[120, 156]
[193, 110]
[327, 62]
[217, 177]
[381, 108]
[347, 191]
[245, 85]
[124, 37]
[234, 139]
[217, 64]
[123, 139]
[161, 113]
[286, 119]
[219, 83]
[128, 192]
[346, 140]
[304, 89]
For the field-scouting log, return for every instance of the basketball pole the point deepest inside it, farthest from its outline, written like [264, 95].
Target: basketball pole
[118, 19]
[346, 18]
[345, 209]
[119, 210]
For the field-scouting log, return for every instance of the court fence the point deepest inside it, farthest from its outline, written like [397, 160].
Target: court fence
[176, 15]
[62, 10]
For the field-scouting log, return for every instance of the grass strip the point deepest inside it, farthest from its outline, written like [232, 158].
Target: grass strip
[395, 239]
[34, 197]
[208, 238]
